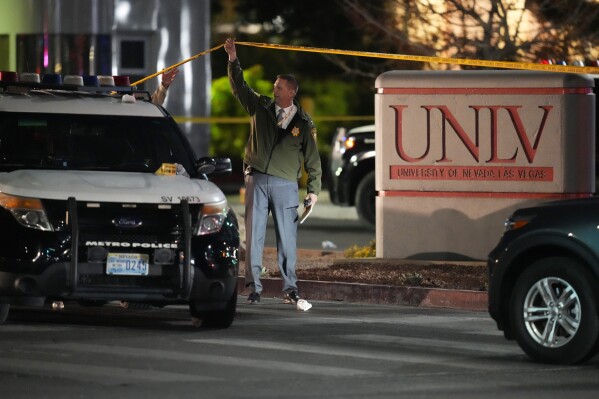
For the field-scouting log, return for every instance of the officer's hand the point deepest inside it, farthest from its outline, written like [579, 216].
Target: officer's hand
[311, 198]
[168, 77]
[230, 49]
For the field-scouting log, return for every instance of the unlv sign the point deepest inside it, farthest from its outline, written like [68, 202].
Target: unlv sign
[449, 120]
[491, 131]
[458, 151]
[450, 125]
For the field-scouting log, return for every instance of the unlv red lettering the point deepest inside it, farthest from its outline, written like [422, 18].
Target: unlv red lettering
[399, 134]
[528, 150]
[471, 145]
[448, 116]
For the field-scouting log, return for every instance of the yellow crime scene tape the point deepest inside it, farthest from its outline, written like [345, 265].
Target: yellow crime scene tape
[402, 57]
[244, 119]
[434, 60]
[176, 65]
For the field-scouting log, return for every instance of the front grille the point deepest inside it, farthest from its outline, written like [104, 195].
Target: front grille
[110, 237]
[154, 228]
[99, 219]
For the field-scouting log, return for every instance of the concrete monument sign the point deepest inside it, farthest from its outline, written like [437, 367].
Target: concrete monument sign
[458, 151]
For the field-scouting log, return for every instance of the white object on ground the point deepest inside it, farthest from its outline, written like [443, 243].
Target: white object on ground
[328, 244]
[304, 305]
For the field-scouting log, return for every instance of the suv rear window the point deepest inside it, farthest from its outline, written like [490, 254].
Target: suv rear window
[89, 142]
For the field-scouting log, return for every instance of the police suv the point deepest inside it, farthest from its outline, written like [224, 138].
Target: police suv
[103, 201]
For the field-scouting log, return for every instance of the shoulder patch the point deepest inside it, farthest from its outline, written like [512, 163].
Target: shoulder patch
[314, 133]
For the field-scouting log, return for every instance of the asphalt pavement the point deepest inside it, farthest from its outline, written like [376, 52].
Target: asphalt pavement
[326, 212]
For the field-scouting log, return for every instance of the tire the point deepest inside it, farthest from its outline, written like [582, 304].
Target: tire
[4, 308]
[553, 312]
[216, 318]
[365, 200]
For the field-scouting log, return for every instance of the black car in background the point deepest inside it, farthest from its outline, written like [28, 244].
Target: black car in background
[351, 171]
[544, 280]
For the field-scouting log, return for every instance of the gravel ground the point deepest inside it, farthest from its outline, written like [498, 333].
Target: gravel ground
[332, 266]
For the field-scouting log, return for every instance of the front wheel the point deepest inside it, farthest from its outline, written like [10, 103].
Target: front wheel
[365, 200]
[553, 312]
[216, 318]
[4, 308]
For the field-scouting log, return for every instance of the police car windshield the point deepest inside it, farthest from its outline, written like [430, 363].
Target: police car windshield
[89, 142]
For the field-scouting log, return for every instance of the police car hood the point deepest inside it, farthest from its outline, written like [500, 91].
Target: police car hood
[108, 186]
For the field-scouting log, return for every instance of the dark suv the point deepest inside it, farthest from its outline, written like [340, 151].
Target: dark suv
[544, 280]
[351, 172]
[102, 200]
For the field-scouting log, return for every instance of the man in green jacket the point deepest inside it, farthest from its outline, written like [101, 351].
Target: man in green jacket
[282, 138]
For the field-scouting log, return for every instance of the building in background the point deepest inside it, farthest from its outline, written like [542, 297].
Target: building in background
[116, 37]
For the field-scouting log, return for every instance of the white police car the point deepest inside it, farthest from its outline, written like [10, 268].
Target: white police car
[102, 199]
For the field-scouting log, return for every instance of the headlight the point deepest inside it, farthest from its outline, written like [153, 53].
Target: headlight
[516, 222]
[211, 218]
[350, 143]
[29, 212]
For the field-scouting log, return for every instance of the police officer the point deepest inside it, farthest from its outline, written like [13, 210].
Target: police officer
[282, 137]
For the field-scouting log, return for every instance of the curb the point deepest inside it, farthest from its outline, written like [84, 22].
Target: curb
[377, 294]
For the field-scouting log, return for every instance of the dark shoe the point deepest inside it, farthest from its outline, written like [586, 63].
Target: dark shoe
[291, 297]
[254, 297]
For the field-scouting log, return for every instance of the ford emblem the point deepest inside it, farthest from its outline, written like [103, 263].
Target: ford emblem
[127, 222]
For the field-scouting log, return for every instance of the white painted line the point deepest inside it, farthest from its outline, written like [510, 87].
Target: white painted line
[291, 366]
[350, 352]
[476, 347]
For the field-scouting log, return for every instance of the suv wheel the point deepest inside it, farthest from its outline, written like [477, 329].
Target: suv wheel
[4, 307]
[553, 312]
[365, 200]
[216, 318]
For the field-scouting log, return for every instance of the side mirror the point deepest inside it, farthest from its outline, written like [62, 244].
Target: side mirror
[205, 165]
[208, 165]
[223, 165]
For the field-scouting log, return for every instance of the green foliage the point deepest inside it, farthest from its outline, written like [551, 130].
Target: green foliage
[330, 97]
[229, 139]
[355, 251]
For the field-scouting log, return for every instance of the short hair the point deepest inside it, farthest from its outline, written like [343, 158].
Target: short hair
[291, 80]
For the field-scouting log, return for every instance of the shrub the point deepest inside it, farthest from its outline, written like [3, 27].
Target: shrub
[355, 251]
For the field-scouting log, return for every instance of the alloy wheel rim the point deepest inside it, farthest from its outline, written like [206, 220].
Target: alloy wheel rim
[552, 312]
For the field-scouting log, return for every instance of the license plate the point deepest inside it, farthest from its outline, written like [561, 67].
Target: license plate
[127, 264]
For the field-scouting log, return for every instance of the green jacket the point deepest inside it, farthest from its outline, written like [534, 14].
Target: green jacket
[271, 152]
